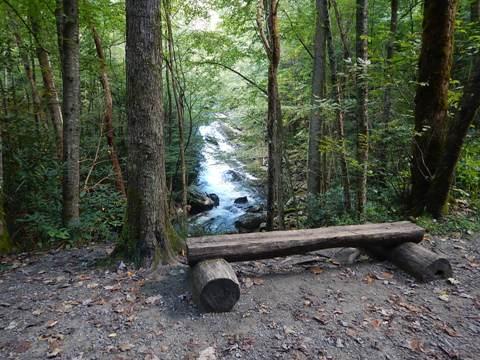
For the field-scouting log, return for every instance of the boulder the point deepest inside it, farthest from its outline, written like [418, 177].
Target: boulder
[241, 200]
[199, 201]
[254, 209]
[233, 175]
[250, 222]
[215, 198]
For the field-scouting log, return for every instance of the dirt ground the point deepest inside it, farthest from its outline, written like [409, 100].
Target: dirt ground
[61, 305]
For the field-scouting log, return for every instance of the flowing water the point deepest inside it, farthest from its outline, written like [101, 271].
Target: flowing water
[224, 175]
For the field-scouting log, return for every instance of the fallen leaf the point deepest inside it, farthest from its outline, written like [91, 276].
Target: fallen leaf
[248, 282]
[315, 270]
[51, 323]
[369, 279]
[376, 323]
[449, 330]
[416, 345]
[444, 297]
[258, 281]
[152, 300]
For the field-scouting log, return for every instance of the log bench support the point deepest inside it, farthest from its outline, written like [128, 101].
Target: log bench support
[216, 287]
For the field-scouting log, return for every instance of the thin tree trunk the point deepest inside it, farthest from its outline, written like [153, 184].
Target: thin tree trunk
[475, 10]
[340, 115]
[51, 93]
[59, 23]
[147, 225]
[178, 95]
[37, 103]
[362, 104]
[108, 115]
[387, 96]
[71, 114]
[431, 100]
[269, 35]
[3, 94]
[5, 243]
[314, 168]
[437, 196]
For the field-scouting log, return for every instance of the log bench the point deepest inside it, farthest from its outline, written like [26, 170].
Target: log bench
[216, 287]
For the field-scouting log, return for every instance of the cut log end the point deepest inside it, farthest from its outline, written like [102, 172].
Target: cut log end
[215, 285]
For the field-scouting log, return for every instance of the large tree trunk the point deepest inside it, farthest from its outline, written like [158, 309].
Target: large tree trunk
[51, 93]
[431, 100]
[37, 103]
[340, 114]
[362, 104]
[314, 168]
[108, 115]
[268, 9]
[147, 221]
[442, 180]
[71, 114]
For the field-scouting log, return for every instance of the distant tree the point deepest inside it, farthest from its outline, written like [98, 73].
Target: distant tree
[362, 104]
[5, 243]
[314, 168]
[71, 113]
[146, 230]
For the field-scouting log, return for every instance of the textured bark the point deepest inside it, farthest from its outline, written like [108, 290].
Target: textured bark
[37, 103]
[147, 225]
[51, 93]
[314, 168]
[442, 180]
[108, 115]
[362, 105]
[270, 37]
[71, 114]
[244, 247]
[340, 114]
[431, 100]
[215, 285]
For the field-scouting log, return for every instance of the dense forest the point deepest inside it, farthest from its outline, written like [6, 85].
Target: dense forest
[337, 111]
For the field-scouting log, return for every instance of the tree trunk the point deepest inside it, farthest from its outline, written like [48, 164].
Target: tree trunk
[268, 9]
[37, 103]
[108, 115]
[362, 104]
[147, 225]
[59, 22]
[314, 168]
[71, 114]
[340, 114]
[51, 93]
[475, 10]
[442, 180]
[5, 243]
[431, 100]
[387, 95]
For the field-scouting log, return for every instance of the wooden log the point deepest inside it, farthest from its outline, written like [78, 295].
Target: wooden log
[215, 285]
[252, 246]
[423, 264]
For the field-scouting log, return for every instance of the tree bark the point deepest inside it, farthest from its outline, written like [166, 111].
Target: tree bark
[362, 105]
[108, 115]
[441, 182]
[51, 93]
[314, 168]
[71, 114]
[147, 228]
[270, 37]
[431, 100]
[475, 10]
[340, 114]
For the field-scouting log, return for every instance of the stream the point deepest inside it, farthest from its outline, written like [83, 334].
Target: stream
[223, 174]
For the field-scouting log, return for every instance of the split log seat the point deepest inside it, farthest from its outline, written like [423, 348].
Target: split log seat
[216, 287]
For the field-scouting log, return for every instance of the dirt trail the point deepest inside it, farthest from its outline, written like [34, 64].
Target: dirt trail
[59, 305]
